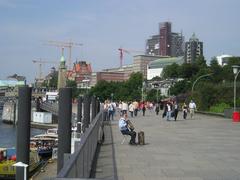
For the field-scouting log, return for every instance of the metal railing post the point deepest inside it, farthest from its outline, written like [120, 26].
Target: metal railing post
[64, 125]
[79, 114]
[93, 103]
[23, 129]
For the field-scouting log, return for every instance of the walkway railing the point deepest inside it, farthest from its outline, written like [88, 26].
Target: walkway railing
[50, 107]
[78, 164]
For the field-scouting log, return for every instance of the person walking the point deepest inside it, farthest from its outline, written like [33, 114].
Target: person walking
[157, 108]
[143, 108]
[184, 109]
[192, 107]
[124, 107]
[110, 111]
[135, 104]
[131, 108]
[175, 110]
[169, 111]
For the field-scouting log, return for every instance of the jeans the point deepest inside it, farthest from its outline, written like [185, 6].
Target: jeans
[169, 115]
[130, 133]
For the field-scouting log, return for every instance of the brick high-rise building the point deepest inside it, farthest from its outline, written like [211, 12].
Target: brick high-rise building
[165, 38]
[166, 43]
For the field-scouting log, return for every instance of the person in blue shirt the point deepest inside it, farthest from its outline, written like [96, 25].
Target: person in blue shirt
[126, 128]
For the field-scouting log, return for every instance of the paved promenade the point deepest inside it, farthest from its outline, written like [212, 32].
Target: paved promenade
[203, 148]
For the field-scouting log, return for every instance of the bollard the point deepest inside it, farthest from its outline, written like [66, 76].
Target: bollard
[79, 114]
[98, 105]
[23, 129]
[64, 125]
[93, 103]
[86, 113]
[38, 104]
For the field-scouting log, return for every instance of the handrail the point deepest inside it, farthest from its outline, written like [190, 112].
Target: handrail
[50, 107]
[80, 162]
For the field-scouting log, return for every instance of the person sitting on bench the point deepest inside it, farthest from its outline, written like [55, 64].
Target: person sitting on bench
[127, 128]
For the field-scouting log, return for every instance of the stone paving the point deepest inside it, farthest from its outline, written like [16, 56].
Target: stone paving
[202, 148]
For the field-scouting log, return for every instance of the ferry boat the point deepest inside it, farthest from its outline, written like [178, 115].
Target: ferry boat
[8, 158]
[44, 143]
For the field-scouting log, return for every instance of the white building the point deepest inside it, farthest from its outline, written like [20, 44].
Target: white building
[223, 59]
[155, 67]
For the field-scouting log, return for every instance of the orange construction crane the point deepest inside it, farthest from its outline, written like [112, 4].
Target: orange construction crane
[41, 62]
[62, 45]
[121, 51]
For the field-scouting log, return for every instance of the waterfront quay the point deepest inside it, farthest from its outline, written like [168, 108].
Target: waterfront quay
[203, 148]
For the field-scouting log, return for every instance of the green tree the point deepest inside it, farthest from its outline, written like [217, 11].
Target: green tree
[187, 71]
[128, 90]
[216, 69]
[156, 78]
[54, 80]
[171, 71]
[201, 62]
[180, 87]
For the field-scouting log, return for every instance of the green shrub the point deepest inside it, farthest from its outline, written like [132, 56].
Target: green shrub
[219, 108]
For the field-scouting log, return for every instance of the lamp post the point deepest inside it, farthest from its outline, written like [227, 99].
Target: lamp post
[143, 86]
[236, 71]
[112, 97]
[200, 77]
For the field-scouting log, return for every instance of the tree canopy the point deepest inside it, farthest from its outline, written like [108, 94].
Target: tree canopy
[128, 90]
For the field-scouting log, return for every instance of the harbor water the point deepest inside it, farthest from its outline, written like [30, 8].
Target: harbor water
[8, 134]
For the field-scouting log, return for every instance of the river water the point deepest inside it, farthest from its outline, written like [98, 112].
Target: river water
[8, 134]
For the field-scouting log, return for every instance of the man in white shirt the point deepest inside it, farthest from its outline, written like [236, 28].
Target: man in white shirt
[192, 106]
[123, 127]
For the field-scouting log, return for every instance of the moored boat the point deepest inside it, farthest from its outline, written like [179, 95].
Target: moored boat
[44, 144]
[8, 158]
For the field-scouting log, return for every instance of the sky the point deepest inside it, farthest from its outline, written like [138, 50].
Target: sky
[102, 26]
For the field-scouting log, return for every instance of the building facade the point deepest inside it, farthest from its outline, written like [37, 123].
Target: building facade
[80, 73]
[193, 49]
[153, 45]
[177, 44]
[166, 43]
[155, 67]
[165, 38]
[223, 59]
[140, 63]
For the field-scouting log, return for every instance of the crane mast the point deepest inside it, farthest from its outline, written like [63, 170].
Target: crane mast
[122, 51]
[40, 62]
[63, 44]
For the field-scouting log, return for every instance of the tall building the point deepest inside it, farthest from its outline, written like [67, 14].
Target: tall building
[165, 38]
[177, 44]
[166, 43]
[152, 45]
[193, 49]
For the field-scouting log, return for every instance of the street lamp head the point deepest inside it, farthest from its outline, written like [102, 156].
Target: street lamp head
[235, 69]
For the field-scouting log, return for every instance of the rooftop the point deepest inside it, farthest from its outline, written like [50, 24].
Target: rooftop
[162, 62]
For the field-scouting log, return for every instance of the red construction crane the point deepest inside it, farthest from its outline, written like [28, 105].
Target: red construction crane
[121, 51]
